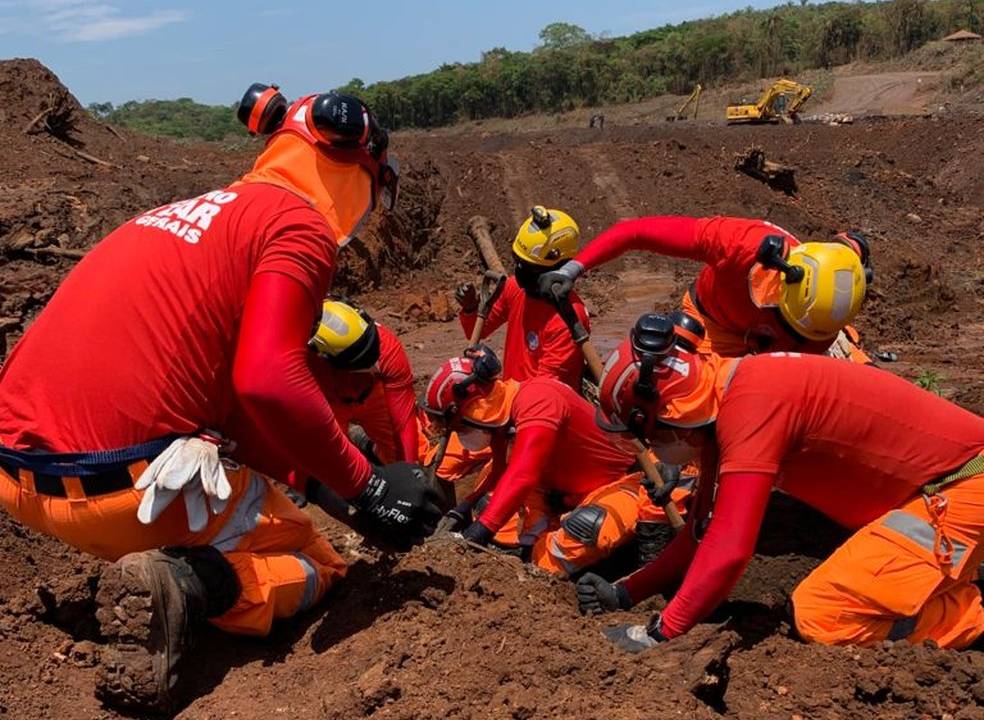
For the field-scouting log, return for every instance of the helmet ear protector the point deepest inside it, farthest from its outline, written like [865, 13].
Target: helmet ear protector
[340, 122]
[772, 254]
[262, 109]
[361, 354]
[858, 242]
[486, 367]
[653, 337]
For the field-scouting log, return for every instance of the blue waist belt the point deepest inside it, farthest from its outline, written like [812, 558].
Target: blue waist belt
[100, 472]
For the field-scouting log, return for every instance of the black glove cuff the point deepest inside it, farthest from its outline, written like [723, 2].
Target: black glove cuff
[622, 597]
[478, 533]
[655, 628]
[372, 494]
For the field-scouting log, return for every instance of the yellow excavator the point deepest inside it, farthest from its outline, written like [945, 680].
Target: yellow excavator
[681, 113]
[779, 103]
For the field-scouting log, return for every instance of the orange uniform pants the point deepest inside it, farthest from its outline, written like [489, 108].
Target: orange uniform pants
[284, 566]
[907, 575]
[564, 546]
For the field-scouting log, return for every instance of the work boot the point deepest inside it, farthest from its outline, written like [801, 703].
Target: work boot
[149, 605]
[651, 539]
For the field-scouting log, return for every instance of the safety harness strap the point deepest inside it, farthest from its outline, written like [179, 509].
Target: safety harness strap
[82, 464]
[969, 469]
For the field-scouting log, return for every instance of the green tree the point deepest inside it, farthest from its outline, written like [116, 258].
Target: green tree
[101, 110]
[559, 35]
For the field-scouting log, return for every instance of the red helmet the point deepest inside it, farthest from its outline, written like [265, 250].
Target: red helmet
[655, 377]
[469, 389]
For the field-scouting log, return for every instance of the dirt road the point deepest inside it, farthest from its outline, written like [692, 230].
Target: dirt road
[898, 93]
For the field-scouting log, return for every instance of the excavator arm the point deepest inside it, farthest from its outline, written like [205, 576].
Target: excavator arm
[768, 108]
[681, 113]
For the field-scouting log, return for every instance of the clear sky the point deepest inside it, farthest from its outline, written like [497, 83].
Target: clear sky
[211, 50]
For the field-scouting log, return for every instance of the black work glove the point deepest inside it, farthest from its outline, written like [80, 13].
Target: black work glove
[398, 496]
[556, 285]
[595, 595]
[636, 638]
[478, 534]
[455, 519]
[467, 296]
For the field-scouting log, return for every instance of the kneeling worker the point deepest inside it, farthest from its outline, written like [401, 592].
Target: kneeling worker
[900, 466]
[365, 374]
[572, 487]
[188, 376]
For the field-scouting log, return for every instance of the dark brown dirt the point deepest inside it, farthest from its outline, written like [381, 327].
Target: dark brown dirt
[445, 632]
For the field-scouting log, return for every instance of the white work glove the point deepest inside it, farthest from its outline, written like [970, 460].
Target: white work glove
[841, 347]
[191, 466]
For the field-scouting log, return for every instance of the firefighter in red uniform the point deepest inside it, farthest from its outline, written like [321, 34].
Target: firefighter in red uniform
[576, 499]
[173, 361]
[538, 342]
[365, 374]
[742, 294]
[900, 466]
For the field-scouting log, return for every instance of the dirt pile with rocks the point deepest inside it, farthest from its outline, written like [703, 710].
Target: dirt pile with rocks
[67, 180]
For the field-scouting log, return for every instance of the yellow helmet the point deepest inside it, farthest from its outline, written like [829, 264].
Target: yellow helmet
[829, 292]
[547, 237]
[345, 337]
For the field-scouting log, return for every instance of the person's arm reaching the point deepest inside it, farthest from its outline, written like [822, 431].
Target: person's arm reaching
[402, 405]
[672, 235]
[527, 463]
[396, 375]
[276, 389]
[723, 553]
[498, 313]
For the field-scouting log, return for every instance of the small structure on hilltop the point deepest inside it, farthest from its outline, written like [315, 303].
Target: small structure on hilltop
[962, 36]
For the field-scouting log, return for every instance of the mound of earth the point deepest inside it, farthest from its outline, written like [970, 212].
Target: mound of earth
[447, 631]
[66, 180]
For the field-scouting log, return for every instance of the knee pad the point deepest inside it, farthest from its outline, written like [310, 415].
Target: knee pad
[584, 523]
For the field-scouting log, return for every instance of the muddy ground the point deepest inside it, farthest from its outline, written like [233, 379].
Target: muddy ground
[445, 632]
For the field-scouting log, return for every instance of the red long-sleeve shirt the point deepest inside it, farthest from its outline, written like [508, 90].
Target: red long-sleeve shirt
[851, 441]
[558, 446]
[382, 400]
[728, 248]
[538, 341]
[192, 315]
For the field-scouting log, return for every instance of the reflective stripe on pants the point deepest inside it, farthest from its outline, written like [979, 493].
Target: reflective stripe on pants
[270, 543]
[889, 582]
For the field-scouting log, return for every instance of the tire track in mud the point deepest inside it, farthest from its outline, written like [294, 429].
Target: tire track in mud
[515, 186]
[606, 178]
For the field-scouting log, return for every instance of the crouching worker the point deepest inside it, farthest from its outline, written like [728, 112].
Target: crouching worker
[537, 341]
[760, 289]
[365, 374]
[900, 466]
[187, 378]
[551, 464]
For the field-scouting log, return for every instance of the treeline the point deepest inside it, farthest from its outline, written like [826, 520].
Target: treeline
[183, 118]
[572, 68]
